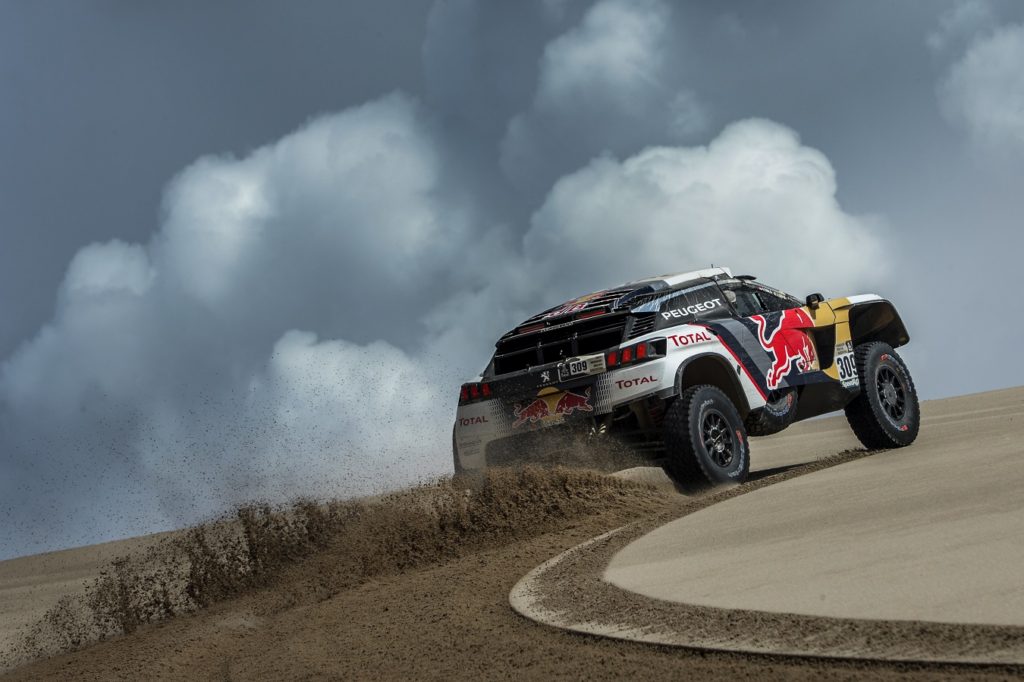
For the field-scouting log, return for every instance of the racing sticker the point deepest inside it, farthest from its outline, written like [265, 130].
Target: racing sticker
[791, 349]
[551, 405]
[573, 306]
[847, 365]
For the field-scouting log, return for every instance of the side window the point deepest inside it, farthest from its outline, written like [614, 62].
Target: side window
[744, 299]
[752, 298]
[773, 299]
[746, 302]
[773, 303]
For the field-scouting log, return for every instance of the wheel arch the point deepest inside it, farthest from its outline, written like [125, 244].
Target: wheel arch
[713, 369]
[877, 321]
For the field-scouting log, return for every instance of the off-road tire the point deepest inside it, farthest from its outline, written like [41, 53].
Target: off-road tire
[886, 413]
[775, 416]
[693, 458]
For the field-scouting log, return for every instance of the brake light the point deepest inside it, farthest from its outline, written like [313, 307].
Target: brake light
[473, 392]
[589, 313]
[638, 352]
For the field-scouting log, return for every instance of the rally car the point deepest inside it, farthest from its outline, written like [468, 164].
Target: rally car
[680, 370]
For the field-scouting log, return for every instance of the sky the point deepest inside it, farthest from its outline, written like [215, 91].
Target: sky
[249, 250]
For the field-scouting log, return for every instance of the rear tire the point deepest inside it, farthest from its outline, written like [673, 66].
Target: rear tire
[886, 413]
[705, 442]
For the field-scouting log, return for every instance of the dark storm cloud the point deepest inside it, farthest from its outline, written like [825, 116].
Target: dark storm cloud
[356, 199]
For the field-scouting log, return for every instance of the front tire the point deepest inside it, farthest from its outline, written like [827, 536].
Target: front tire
[705, 442]
[886, 414]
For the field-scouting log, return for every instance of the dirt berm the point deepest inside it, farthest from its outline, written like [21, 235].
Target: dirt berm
[412, 586]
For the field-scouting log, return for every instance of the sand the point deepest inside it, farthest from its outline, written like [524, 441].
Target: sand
[450, 618]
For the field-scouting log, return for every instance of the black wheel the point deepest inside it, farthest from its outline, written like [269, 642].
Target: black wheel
[705, 442]
[778, 413]
[886, 414]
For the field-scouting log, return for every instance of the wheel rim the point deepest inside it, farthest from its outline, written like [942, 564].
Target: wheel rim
[892, 393]
[717, 438]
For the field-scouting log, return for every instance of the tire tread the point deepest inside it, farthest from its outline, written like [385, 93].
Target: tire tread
[686, 468]
[863, 417]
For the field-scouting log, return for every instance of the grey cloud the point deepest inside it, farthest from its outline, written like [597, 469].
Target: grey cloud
[602, 86]
[960, 23]
[984, 90]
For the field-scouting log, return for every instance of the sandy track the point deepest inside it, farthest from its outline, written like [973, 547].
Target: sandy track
[443, 621]
[932, 533]
[905, 555]
[31, 585]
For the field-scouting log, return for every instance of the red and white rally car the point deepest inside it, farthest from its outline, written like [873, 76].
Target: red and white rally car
[679, 370]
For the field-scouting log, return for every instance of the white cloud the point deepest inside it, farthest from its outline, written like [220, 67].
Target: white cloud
[603, 85]
[754, 198]
[984, 91]
[175, 365]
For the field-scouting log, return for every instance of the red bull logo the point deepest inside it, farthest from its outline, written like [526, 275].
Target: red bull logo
[534, 412]
[789, 346]
[551, 404]
[570, 402]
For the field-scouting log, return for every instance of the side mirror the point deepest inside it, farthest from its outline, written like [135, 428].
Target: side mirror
[814, 300]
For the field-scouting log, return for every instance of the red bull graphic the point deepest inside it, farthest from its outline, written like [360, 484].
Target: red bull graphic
[573, 306]
[534, 412]
[551, 404]
[789, 346]
[570, 402]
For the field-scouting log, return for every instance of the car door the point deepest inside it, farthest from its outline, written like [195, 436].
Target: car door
[783, 329]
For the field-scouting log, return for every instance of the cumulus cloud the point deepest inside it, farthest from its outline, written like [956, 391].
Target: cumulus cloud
[602, 86]
[755, 198]
[187, 367]
[983, 91]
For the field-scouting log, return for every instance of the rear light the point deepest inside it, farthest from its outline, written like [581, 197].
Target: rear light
[638, 352]
[590, 313]
[474, 392]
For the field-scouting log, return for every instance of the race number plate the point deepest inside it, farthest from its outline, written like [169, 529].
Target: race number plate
[847, 365]
[580, 367]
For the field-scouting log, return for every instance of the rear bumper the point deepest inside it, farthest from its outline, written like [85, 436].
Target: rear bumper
[527, 406]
